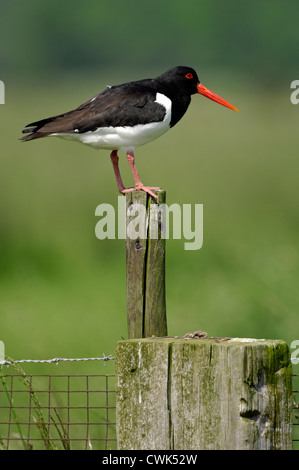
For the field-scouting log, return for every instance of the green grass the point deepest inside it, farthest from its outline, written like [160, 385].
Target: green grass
[62, 291]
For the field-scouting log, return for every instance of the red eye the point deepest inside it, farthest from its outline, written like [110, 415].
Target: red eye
[189, 75]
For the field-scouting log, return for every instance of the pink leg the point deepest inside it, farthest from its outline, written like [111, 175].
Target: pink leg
[114, 159]
[138, 184]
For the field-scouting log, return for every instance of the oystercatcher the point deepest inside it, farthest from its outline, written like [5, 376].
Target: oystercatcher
[126, 116]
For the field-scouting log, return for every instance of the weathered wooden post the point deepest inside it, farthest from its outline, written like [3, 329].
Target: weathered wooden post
[186, 393]
[145, 248]
[200, 394]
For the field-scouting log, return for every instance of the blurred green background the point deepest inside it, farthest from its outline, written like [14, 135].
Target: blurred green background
[62, 291]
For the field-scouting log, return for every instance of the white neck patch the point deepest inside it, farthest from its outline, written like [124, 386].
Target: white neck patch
[166, 103]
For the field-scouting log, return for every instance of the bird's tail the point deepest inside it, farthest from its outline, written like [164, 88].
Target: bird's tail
[34, 129]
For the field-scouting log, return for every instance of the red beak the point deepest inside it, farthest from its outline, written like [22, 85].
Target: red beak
[202, 90]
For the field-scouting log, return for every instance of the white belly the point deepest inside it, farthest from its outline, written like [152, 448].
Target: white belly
[125, 138]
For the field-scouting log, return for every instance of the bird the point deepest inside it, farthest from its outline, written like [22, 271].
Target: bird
[126, 116]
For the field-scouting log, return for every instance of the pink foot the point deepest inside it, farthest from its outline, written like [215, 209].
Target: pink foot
[146, 189]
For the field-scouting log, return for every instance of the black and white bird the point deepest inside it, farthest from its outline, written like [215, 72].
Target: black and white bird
[125, 116]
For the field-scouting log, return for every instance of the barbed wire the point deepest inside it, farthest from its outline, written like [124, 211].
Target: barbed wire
[56, 360]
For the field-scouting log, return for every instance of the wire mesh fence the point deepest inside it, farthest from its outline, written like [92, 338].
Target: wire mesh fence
[69, 411]
[57, 412]
[296, 412]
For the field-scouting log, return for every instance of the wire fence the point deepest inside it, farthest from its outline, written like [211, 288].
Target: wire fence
[68, 411]
[57, 412]
[55, 360]
[296, 412]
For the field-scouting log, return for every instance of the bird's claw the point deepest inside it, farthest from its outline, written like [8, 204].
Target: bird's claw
[147, 189]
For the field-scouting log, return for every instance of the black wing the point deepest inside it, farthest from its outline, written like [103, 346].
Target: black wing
[123, 105]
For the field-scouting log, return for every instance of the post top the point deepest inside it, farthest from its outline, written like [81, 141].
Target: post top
[205, 340]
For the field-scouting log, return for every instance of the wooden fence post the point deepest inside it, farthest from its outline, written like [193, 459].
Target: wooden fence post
[200, 394]
[146, 306]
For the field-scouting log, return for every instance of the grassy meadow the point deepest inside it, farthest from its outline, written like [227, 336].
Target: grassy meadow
[62, 291]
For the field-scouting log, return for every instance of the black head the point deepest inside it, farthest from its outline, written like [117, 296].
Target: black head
[184, 78]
